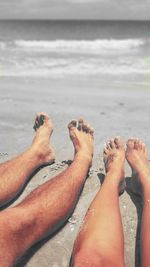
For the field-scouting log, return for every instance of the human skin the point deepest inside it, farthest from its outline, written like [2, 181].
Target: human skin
[44, 210]
[137, 157]
[15, 173]
[100, 241]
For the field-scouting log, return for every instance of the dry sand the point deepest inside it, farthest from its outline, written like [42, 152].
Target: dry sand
[113, 109]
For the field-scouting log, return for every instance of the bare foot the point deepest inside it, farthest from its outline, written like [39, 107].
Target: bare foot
[81, 135]
[137, 157]
[114, 158]
[44, 128]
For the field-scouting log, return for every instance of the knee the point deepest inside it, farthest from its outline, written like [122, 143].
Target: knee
[87, 258]
[93, 257]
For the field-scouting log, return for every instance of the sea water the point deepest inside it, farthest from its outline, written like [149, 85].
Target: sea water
[75, 49]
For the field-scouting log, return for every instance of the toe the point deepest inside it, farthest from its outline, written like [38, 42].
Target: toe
[137, 144]
[91, 131]
[146, 152]
[85, 126]
[36, 124]
[80, 124]
[72, 124]
[119, 142]
[130, 143]
[39, 120]
[108, 147]
[143, 146]
[42, 117]
[106, 151]
[112, 143]
[42, 114]
[88, 128]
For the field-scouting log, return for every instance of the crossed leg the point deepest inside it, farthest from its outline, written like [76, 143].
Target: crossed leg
[100, 241]
[15, 173]
[137, 157]
[47, 207]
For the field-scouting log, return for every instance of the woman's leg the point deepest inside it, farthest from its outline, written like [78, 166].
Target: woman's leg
[100, 241]
[137, 156]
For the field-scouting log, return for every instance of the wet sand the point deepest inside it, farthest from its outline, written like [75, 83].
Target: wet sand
[113, 109]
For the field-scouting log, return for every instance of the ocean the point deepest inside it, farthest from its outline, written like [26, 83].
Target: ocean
[116, 49]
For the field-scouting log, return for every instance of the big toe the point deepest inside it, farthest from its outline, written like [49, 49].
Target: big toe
[42, 119]
[72, 124]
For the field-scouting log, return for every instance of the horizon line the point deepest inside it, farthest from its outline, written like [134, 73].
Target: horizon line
[67, 20]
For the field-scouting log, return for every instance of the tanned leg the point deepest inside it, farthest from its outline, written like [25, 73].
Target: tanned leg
[47, 207]
[100, 242]
[15, 173]
[137, 157]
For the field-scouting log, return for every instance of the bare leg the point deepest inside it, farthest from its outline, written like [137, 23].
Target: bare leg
[137, 157]
[47, 207]
[100, 241]
[15, 173]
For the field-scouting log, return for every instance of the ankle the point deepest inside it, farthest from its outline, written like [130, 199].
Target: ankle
[144, 178]
[34, 154]
[84, 156]
[116, 173]
[146, 191]
[41, 155]
[113, 182]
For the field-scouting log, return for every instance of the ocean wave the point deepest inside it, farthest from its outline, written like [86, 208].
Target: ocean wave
[77, 58]
[76, 69]
[82, 46]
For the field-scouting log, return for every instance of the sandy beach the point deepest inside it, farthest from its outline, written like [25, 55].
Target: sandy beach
[113, 109]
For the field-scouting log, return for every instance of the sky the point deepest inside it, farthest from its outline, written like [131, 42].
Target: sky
[75, 9]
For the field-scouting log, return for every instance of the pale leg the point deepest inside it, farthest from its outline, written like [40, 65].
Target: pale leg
[100, 241]
[137, 157]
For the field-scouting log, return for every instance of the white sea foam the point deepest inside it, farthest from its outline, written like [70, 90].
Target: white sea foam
[62, 69]
[117, 57]
[81, 46]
